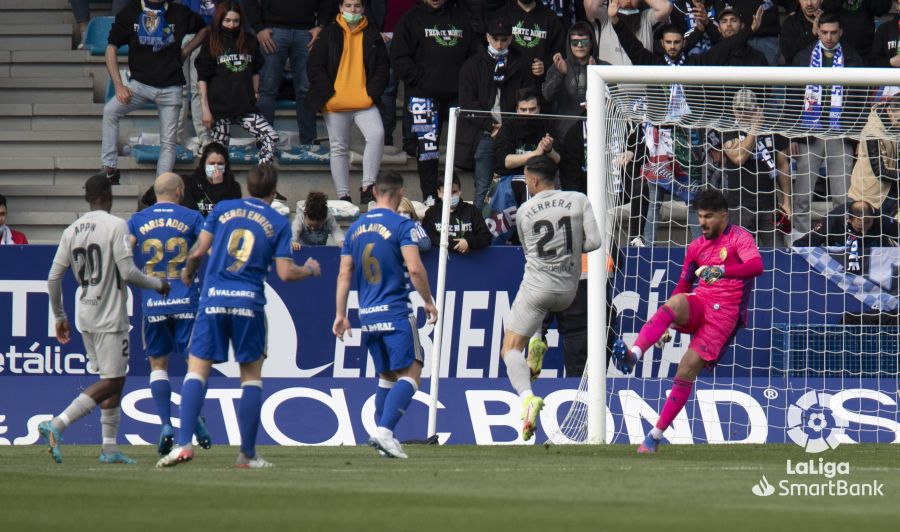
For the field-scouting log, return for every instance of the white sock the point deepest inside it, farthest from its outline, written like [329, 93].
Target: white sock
[109, 428]
[519, 374]
[637, 352]
[159, 375]
[77, 409]
[656, 434]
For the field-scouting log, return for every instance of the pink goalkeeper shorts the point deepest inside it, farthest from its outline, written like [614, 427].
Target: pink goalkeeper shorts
[712, 327]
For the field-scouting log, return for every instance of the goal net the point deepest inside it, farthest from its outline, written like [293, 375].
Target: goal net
[796, 151]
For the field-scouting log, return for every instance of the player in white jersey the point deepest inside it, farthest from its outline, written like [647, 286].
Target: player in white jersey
[96, 247]
[554, 227]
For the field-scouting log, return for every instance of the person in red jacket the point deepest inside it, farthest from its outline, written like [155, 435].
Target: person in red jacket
[8, 235]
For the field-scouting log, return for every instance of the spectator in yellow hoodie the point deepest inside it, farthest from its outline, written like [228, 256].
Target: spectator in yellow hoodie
[348, 71]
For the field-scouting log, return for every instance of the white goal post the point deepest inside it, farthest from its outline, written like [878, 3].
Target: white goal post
[601, 150]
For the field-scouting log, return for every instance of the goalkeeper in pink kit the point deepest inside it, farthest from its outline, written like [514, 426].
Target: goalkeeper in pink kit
[723, 261]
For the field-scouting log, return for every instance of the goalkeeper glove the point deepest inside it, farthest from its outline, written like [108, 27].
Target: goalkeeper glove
[710, 274]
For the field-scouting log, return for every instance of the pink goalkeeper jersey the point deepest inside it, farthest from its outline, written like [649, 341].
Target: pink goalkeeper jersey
[734, 246]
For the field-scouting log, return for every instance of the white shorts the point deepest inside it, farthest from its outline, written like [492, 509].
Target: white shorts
[107, 353]
[530, 307]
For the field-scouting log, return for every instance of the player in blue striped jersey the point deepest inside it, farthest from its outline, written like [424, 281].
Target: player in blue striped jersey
[381, 255]
[245, 237]
[163, 234]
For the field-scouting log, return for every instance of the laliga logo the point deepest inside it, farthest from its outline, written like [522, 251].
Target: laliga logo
[812, 425]
[763, 489]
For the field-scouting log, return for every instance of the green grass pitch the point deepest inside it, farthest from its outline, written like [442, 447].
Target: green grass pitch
[454, 488]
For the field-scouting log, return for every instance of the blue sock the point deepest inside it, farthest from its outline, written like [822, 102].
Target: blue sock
[381, 393]
[191, 403]
[248, 416]
[161, 390]
[397, 401]
[205, 387]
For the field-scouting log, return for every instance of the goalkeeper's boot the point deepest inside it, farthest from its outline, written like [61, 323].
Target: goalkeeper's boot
[116, 458]
[178, 455]
[622, 357]
[202, 433]
[53, 437]
[387, 446]
[166, 440]
[531, 407]
[648, 446]
[537, 347]
[257, 462]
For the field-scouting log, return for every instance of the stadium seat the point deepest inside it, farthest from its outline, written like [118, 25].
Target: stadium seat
[248, 154]
[302, 155]
[144, 154]
[285, 104]
[96, 37]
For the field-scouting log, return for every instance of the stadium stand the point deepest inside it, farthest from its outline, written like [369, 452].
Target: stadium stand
[51, 106]
[96, 35]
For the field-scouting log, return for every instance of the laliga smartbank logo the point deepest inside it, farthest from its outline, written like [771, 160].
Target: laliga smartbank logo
[818, 478]
[812, 425]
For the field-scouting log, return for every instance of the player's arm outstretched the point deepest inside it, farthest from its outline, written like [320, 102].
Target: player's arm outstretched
[131, 275]
[285, 267]
[123, 242]
[289, 271]
[419, 278]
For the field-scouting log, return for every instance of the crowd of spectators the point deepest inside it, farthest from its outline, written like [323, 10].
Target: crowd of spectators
[521, 66]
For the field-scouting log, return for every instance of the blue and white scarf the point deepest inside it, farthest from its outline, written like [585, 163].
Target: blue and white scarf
[812, 101]
[153, 30]
[500, 65]
[426, 126]
[864, 290]
[678, 105]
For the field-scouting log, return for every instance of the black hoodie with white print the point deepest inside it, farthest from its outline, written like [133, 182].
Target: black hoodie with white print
[429, 49]
[538, 33]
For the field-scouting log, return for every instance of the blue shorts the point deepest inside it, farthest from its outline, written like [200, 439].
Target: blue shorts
[394, 344]
[166, 334]
[216, 326]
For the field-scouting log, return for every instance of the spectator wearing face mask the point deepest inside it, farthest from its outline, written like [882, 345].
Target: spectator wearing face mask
[228, 68]
[467, 230]
[538, 34]
[489, 81]
[211, 182]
